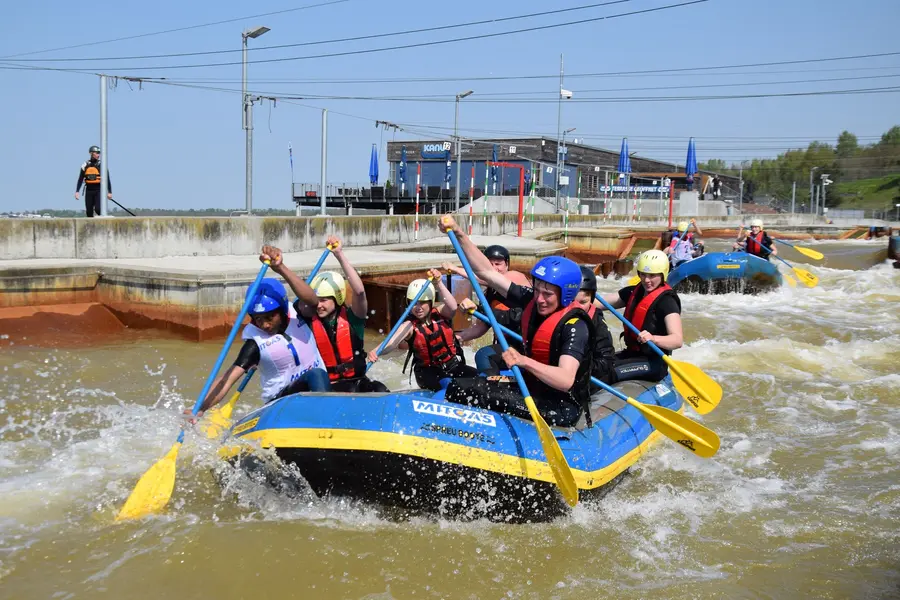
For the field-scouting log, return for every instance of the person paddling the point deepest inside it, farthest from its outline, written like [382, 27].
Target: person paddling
[428, 330]
[276, 341]
[655, 310]
[758, 243]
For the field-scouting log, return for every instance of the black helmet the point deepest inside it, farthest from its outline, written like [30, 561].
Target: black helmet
[495, 252]
[588, 280]
[94, 149]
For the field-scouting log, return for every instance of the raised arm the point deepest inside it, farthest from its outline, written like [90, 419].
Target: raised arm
[479, 262]
[358, 303]
[304, 293]
[696, 227]
[448, 308]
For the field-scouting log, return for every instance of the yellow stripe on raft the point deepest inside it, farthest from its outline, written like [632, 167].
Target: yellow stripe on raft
[457, 454]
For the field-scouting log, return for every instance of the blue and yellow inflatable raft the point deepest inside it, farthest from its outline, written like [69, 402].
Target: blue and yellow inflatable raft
[415, 451]
[724, 272]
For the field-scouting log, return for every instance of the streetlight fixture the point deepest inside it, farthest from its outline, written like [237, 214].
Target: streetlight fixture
[458, 145]
[248, 115]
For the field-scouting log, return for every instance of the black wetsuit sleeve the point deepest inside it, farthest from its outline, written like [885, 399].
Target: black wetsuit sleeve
[575, 340]
[248, 356]
[604, 353]
[80, 179]
[519, 295]
[625, 293]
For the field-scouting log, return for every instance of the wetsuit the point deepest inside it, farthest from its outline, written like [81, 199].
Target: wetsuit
[639, 361]
[604, 353]
[754, 244]
[90, 177]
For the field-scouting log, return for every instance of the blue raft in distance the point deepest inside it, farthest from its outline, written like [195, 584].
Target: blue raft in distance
[416, 452]
[724, 272]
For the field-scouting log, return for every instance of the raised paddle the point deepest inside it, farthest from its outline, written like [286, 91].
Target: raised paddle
[562, 473]
[400, 321]
[219, 417]
[154, 488]
[692, 435]
[813, 254]
[698, 388]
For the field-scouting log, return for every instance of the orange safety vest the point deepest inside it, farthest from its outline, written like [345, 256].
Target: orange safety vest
[92, 173]
[637, 312]
[754, 244]
[433, 345]
[342, 354]
[539, 346]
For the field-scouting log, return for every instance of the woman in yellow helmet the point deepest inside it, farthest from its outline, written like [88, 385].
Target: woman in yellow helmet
[429, 332]
[340, 330]
[655, 310]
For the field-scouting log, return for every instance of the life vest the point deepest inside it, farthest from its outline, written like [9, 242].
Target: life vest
[542, 343]
[435, 344]
[642, 316]
[92, 173]
[284, 357]
[755, 245]
[683, 250]
[341, 350]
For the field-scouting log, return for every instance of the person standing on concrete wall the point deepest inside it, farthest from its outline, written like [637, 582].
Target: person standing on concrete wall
[90, 177]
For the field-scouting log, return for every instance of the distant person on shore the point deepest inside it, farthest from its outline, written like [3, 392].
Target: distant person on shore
[90, 177]
[716, 188]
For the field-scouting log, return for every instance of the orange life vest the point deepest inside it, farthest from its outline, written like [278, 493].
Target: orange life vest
[754, 244]
[92, 173]
[637, 312]
[341, 353]
[435, 344]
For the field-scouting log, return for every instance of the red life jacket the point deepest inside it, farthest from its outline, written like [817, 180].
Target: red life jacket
[341, 353]
[754, 244]
[539, 346]
[637, 312]
[435, 344]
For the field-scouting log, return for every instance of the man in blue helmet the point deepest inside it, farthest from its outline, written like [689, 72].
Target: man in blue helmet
[279, 343]
[557, 336]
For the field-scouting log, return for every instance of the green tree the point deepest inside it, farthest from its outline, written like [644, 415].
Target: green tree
[847, 145]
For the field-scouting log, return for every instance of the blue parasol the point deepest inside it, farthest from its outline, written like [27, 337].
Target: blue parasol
[690, 163]
[373, 166]
[624, 160]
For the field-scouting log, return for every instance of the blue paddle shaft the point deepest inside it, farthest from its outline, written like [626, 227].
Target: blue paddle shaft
[246, 379]
[627, 323]
[517, 337]
[399, 323]
[786, 243]
[318, 266]
[498, 331]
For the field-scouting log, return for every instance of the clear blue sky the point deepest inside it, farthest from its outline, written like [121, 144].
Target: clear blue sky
[178, 147]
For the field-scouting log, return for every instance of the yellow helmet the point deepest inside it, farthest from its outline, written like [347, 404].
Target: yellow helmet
[653, 261]
[413, 290]
[682, 226]
[756, 223]
[330, 285]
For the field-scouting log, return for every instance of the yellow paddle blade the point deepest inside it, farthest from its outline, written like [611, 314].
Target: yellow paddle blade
[634, 280]
[153, 490]
[565, 480]
[806, 277]
[791, 281]
[698, 388]
[813, 254]
[219, 418]
[692, 435]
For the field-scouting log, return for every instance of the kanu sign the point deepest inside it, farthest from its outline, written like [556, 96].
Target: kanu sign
[435, 150]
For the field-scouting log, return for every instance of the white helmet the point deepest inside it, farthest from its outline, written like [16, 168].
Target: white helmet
[413, 290]
[756, 223]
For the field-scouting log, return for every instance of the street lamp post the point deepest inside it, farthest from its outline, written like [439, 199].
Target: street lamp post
[563, 161]
[741, 191]
[248, 115]
[811, 188]
[458, 145]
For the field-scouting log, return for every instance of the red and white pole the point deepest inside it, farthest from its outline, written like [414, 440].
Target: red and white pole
[472, 199]
[418, 187]
[671, 200]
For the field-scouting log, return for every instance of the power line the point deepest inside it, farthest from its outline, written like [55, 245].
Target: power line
[189, 27]
[419, 44]
[336, 41]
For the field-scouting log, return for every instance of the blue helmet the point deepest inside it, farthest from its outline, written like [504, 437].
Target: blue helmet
[561, 272]
[270, 295]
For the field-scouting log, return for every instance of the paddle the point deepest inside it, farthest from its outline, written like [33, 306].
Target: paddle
[400, 321]
[154, 488]
[562, 473]
[692, 435]
[700, 390]
[805, 276]
[218, 419]
[813, 254]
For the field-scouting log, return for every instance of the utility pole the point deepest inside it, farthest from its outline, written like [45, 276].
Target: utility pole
[323, 191]
[793, 196]
[741, 191]
[559, 129]
[248, 117]
[459, 146]
[104, 152]
[811, 188]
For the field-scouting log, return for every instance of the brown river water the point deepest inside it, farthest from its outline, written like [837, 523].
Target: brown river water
[802, 500]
